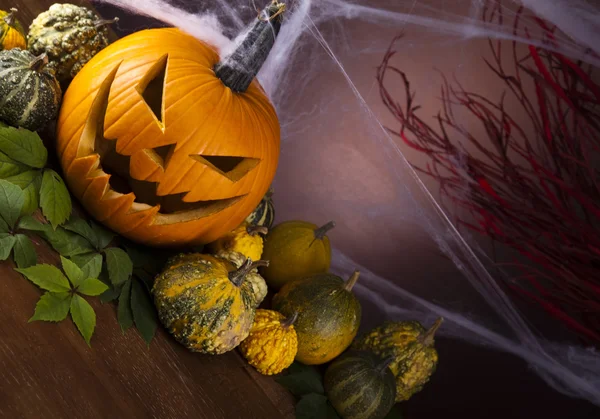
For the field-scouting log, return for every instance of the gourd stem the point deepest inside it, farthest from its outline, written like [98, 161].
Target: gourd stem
[254, 230]
[39, 62]
[269, 193]
[238, 70]
[322, 231]
[290, 320]
[352, 281]
[10, 17]
[427, 338]
[385, 363]
[237, 277]
[104, 22]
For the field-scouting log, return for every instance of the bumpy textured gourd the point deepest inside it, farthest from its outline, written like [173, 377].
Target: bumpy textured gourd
[12, 33]
[272, 343]
[205, 302]
[328, 315]
[259, 286]
[71, 35]
[414, 357]
[246, 239]
[296, 249]
[360, 385]
[264, 214]
[30, 95]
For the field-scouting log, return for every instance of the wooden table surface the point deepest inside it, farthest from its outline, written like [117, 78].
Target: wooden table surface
[48, 371]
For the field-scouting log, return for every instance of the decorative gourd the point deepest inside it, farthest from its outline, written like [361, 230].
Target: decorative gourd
[30, 94]
[205, 302]
[70, 35]
[245, 239]
[264, 214]
[360, 385]
[259, 286]
[12, 34]
[328, 315]
[272, 343]
[295, 250]
[411, 346]
[179, 165]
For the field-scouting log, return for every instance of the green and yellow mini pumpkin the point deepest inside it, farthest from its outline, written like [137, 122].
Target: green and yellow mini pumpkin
[71, 35]
[12, 34]
[272, 344]
[360, 385]
[328, 315]
[205, 302]
[411, 346]
[245, 239]
[30, 94]
[264, 214]
[259, 286]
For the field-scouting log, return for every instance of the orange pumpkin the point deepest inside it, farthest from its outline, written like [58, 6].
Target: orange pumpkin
[160, 149]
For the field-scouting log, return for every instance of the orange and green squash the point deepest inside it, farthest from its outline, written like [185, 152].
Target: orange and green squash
[329, 315]
[166, 142]
[295, 250]
[245, 239]
[12, 33]
[259, 286]
[205, 302]
[360, 385]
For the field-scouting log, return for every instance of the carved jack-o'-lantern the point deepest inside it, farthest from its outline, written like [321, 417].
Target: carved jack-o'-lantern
[165, 144]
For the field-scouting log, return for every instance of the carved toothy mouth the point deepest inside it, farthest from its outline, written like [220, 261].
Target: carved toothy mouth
[116, 167]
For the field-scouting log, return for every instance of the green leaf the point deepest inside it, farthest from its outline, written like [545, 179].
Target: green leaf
[395, 413]
[84, 317]
[90, 264]
[315, 406]
[4, 228]
[23, 146]
[111, 294]
[54, 198]
[124, 313]
[47, 277]
[52, 307]
[81, 227]
[73, 272]
[64, 242]
[104, 236]
[302, 380]
[92, 287]
[7, 242]
[144, 312]
[9, 167]
[29, 223]
[24, 251]
[30, 183]
[11, 202]
[119, 265]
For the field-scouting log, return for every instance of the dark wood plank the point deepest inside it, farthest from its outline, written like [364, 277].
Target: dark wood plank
[49, 371]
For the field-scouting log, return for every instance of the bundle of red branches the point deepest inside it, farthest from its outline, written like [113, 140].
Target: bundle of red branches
[536, 191]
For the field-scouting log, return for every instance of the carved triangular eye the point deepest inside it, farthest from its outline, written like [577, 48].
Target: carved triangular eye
[152, 87]
[233, 168]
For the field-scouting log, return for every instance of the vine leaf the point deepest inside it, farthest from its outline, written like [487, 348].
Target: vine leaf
[52, 307]
[119, 265]
[315, 406]
[23, 146]
[92, 287]
[47, 277]
[80, 226]
[89, 263]
[30, 183]
[302, 380]
[73, 272]
[11, 202]
[7, 243]
[55, 200]
[124, 313]
[24, 251]
[144, 312]
[84, 317]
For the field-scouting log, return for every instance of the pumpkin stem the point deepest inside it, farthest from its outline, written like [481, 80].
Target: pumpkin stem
[427, 338]
[253, 230]
[39, 62]
[290, 320]
[238, 69]
[385, 363]
[238, 276]
[104, 22]
[322, 231]
[10, 17]
[352, 281]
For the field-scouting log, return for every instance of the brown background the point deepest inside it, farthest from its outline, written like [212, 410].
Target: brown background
[48, 371]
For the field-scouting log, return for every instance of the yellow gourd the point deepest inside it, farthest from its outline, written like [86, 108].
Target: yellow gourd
[259, 286]
[272, 343]
[12, 34]
[296, 250]
[245, 239]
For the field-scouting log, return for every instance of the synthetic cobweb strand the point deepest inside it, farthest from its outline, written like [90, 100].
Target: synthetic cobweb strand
[570, 370]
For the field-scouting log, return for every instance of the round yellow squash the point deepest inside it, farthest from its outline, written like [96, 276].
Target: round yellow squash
[245, 239]
[272, 344]
[12, 34]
